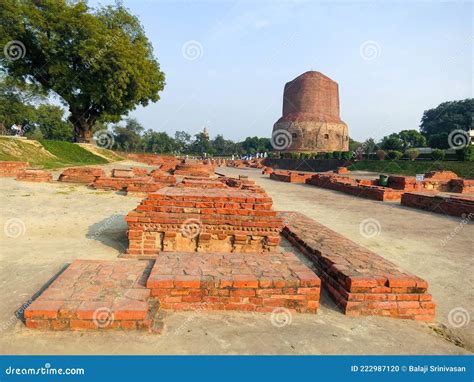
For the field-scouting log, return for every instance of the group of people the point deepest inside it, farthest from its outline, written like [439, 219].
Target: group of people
[17, 129]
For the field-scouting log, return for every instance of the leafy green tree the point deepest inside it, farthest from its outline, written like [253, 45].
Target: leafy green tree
[182, 140]
[437, 123]
[128, 138]
[412, 138]
[99, 62]
[50, 119]
[391, 142]
[201, 144]
[155, 142]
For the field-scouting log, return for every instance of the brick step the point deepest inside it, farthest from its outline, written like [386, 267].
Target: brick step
[244, 282]
[360, 281]
[97, 295]
[32, 175]
[85, 175]
[11, 168]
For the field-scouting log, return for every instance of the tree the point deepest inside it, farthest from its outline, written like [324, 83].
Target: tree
[155, 142]
[182, 140]
[437, 123]
[201, 144]
[128, 137]
[391, 142]
[412, 138]
[99, 62]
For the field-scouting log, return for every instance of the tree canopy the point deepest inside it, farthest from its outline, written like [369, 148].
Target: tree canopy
[437, 123]
[99, 61]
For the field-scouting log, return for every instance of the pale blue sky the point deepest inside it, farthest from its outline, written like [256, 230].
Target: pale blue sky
[418, 54]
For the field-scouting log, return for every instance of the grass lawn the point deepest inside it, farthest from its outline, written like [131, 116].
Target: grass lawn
[405, 167]
[46, 153]
[71, 154]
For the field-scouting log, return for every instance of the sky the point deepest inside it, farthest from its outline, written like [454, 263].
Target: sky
[226, 62]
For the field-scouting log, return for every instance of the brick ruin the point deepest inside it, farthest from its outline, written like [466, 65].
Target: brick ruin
[212, 244]
[194, 168]
[11, 169]
[86, 175]
[448, 204]
[229, 281]
[33, 175]
[359, 281]
[189, 219]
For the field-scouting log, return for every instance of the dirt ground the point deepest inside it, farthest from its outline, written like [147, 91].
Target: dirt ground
[47, 226]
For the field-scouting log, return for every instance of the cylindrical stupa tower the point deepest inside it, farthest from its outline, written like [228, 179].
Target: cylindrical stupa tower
[310, 121]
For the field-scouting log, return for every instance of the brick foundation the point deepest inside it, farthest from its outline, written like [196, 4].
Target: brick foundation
[363, 188]
[455, 205]
[194, 168]
[85, 175]
[358, 280]
[11, 169]
[290, 176]
[203, 220]
[97, 295]
[34, 176]
[243, 282]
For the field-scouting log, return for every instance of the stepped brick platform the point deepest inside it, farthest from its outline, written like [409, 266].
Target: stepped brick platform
[244, 282]
[290, 177]
[118, 184]
[461, 205]
[194, 169]
[203, 220]
[11, 169]
[242, 183]
[97, 294]
[85, 175]
[32, 175]
[143, 187]
[362, 188]
[162, 177]
[358, 280]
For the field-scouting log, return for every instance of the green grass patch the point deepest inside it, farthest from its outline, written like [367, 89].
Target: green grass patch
[46, 153]
[71, 154]
[404, 167]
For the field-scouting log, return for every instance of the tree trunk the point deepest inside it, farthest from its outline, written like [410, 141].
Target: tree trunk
[82, 127]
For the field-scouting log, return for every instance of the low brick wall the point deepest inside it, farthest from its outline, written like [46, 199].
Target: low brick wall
[11, 169]
[290, 176]
[462, 186]
[34, 176]
[455, 205]
[84, 175]
[358, 280]
[242, 282]
[363, 188]
[312, 165]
